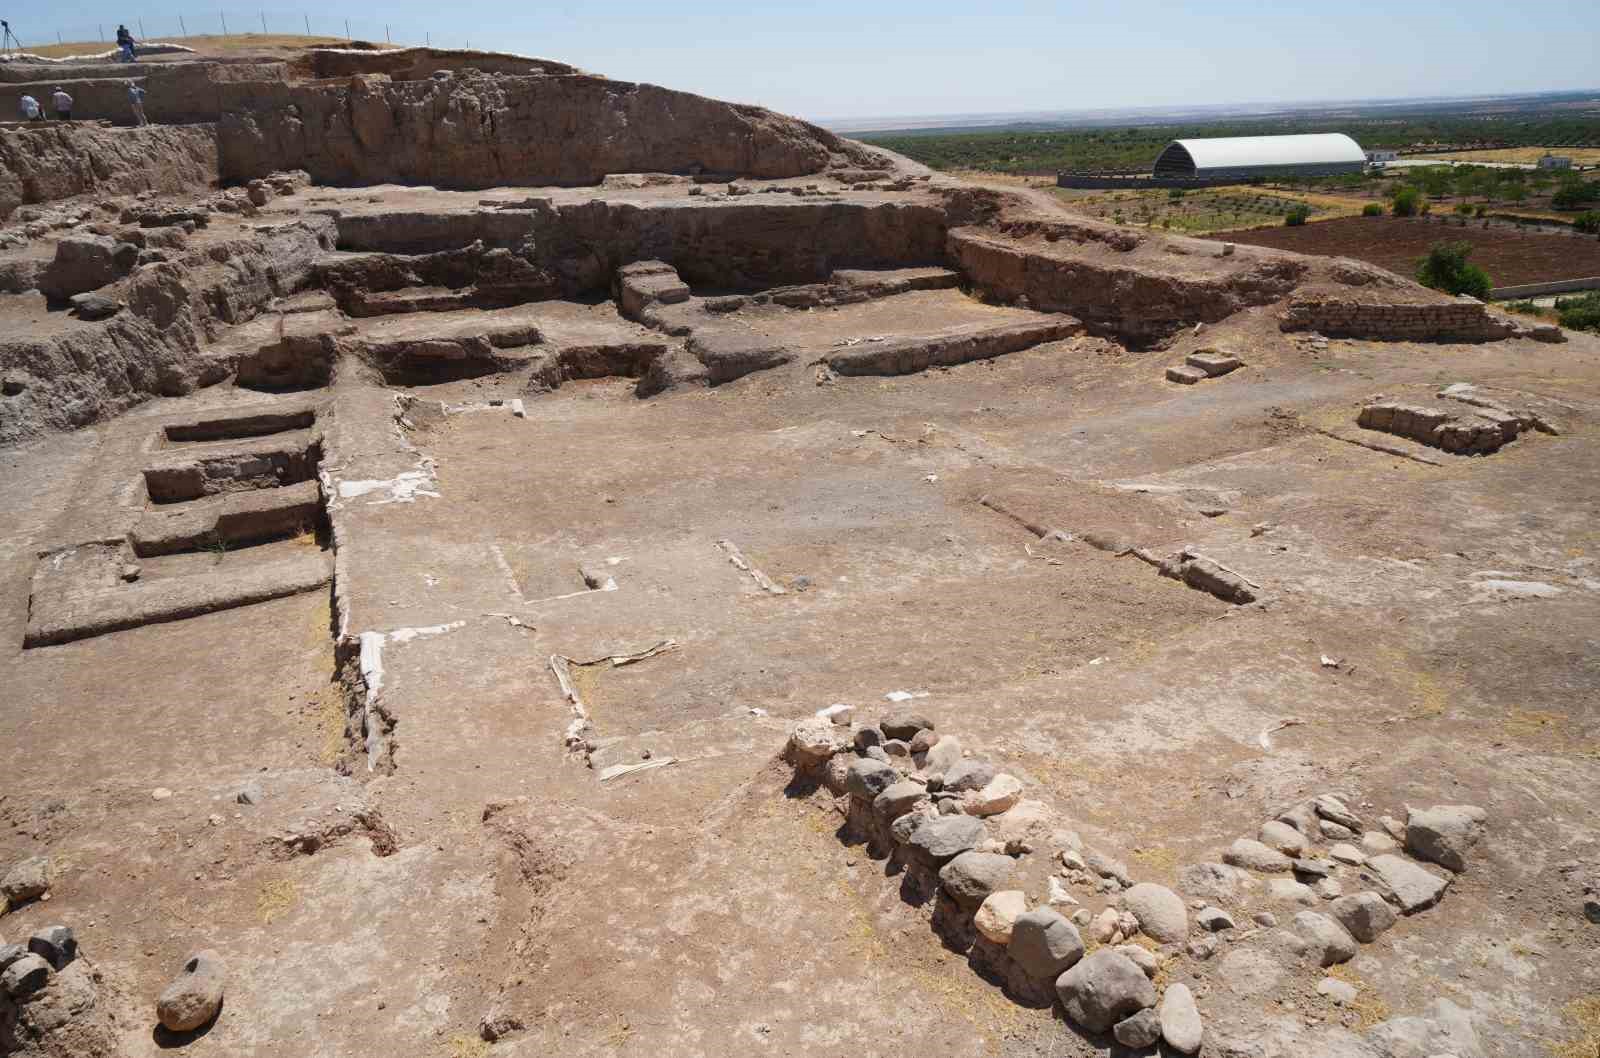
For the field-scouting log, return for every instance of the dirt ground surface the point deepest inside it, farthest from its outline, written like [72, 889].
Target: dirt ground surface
[1398, 243]
[496, 768]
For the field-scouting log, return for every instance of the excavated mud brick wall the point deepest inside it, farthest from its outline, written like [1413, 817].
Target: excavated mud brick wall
[480, 131]
[156, 346]
[1463, 320]
[1136, 304]
[175, 94]
[419, 64]
[55, 161]
[734, 246]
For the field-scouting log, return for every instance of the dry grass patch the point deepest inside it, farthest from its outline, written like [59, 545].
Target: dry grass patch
[1584, 1014]
[276, 898]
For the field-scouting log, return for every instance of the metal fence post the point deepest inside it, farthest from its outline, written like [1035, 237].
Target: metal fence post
[224, 16]
[263, 22]
[180, 26]
[308, 24]
[347, 29]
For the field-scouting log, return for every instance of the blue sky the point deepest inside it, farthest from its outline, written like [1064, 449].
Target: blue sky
[833, 59]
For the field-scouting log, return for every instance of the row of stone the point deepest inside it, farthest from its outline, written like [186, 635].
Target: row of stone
[935, 815]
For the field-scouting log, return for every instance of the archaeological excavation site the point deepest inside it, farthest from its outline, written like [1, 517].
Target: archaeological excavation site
[504, 561]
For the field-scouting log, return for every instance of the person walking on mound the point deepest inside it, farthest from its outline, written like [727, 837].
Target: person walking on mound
[125, 44]
[63, 104]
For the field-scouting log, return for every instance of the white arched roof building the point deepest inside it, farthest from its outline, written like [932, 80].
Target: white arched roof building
[1319, 154]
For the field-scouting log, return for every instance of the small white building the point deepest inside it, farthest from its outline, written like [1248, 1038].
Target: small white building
[1555, 161]
[1378, 157]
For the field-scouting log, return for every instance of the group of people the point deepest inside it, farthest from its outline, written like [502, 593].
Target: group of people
[62, 101]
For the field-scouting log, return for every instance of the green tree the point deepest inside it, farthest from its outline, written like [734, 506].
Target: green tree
[1372, 209]
[1588, 222]
[1407, 202]
[1574, 193]
[1297, 215]
[1446, 268]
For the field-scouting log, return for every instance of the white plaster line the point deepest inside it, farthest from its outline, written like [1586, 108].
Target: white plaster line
[505, 571]
[741, 563]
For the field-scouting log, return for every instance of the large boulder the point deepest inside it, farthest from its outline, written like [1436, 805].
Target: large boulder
[968, 774]
[1180, 1019]
[813, 741]
[867, 778]
[997, 916]
[1253, 855]
[972, 876]
[1444, 833]
[1327, 941]
[194, 996]
[1044, 943]
[942, 838]
[905, 725]
[1161, 914]
[897, 799]
[1103, 989]
[998, 795]
[1365, 915]
[28, 880]
[1414, 888]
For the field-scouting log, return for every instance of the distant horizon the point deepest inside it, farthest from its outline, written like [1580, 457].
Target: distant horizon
[1246, 108]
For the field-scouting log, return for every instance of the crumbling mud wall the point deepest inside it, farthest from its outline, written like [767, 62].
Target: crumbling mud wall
[1460, 320]
[419, 64]
[1110, 291]
[155, 346]
[732, 246]
[56, 161]
[487, 131]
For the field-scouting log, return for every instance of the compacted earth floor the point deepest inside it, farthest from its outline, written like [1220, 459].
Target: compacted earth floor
[477, 871]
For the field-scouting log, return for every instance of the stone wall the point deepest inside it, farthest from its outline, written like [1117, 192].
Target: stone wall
[489, 131]
[55, 161]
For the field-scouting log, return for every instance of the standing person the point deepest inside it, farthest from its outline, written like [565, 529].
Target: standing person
[63, 104]
[136, 99]
[31, 111]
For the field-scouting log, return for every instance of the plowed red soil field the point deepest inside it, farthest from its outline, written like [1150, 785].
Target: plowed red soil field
[1510, 257]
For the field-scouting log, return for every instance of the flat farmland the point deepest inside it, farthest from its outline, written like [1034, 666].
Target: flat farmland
[1509, 256]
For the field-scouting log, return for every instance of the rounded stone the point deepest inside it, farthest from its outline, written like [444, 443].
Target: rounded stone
[905, 726]
[998, 914]
[1044, 944]
[811, 741]
[941, 839]
[868, 778]
[1138, 1031]
[194, 996]
[1328, 941]
[897, 799]
[970, 877]
[1103, 989]
[1161, 914]
[998, 795]
[25, 976]
[968, 774]
[1283, 837]
[1253, 855]
[1180, 1019]
[1365, 915]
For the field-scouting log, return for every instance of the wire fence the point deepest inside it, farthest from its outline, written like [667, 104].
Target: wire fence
[173, 29]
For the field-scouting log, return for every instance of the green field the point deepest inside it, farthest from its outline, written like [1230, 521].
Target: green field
[1041, 152]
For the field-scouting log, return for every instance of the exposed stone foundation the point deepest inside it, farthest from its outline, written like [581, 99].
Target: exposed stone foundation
[1462, 320]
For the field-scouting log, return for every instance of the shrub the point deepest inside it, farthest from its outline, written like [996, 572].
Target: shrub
[1588, 222]
[1464, 209]
[1446, 268]
[1575, 193]
[1580, 314]
[1408, 202]
[1372, 209]
[1297, 215]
